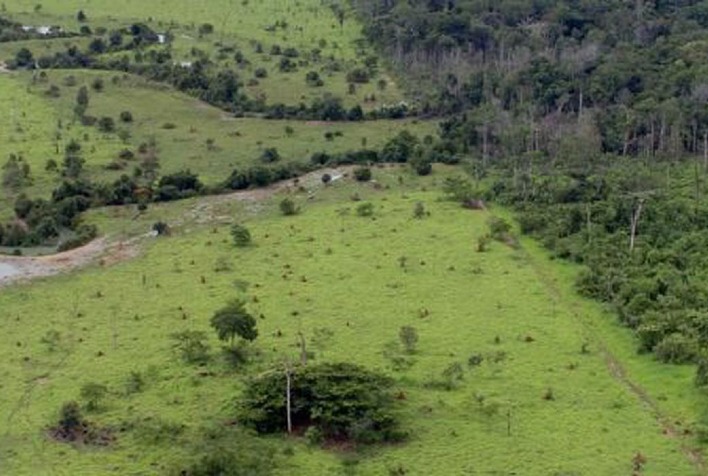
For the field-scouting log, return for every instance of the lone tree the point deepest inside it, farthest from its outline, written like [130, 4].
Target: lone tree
[340, 401]
[233, 320]
[241, 235]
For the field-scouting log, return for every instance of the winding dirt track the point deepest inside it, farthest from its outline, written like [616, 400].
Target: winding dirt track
[105, 251]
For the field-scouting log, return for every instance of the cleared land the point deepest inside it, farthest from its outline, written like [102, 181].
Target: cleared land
[559, 390]
[332, 273]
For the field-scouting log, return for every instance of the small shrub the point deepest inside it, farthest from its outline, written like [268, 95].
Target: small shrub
[475, 360]
[365, 209]
[106, 124]
[241, 235]
[419, 210]
[421, 165]
[362, 174]
[126, 116]
[409, 338]
[270, 155]
[288, 207]
[161, 228]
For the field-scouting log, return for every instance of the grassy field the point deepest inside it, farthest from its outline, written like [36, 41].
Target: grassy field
[340, 273]
[560, 391]
[238, 26]
[38, 127]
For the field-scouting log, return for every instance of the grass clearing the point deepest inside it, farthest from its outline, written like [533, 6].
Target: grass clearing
[328, 268]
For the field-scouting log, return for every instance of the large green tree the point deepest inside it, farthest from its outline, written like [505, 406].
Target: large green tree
[233, 320]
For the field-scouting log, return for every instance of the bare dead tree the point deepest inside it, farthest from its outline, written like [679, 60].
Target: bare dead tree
[636, 215]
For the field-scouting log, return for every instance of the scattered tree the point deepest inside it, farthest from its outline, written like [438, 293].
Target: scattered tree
[233, 320]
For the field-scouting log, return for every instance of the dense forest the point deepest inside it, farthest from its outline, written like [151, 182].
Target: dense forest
[554, 76]
[591, 119]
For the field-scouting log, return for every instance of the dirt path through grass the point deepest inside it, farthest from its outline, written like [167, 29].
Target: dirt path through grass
[106, 252]
[615, 367]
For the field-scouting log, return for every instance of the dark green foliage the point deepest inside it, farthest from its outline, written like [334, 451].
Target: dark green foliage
[126, 116]
[240, 235]
[24, 58]
[97, 85]
[82, 101]
[358, 75]
[106, 124]
[400, 148]
[344, 401]
[313, 79]
[422, 165]
[178, 185]
[287, 207]
[419, 210]
[16, 173]
[70, 417]
[270, 155]
[161, 228]
[362, 174]
[621, 79]
[233, 320]
[206, 29]
[657, 287]
[365, 209]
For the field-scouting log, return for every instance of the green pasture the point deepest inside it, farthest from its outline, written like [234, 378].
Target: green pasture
[238, 26]
[537, 405]
[39, 126]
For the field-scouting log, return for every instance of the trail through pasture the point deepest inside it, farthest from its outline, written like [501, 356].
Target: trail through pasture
[106, 251]
[669, 426]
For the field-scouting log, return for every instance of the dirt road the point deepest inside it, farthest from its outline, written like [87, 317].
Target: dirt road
[105, 251]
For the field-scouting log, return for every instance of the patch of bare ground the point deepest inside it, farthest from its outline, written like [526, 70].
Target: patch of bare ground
[106, 253]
